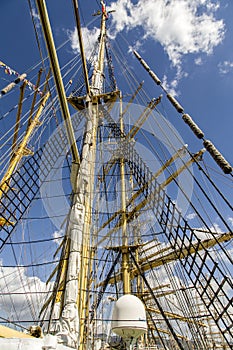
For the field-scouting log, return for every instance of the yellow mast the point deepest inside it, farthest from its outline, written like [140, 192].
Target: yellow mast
[125, 251]
[22, 149]
[57, 77]
[19, 112]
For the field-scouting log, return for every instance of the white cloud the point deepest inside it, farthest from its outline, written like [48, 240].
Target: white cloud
[198, 61]
[36, 19]
[230, 220]
[202, 233]
[58, 236]
[191, 216]
[172, 85]
[89, 38]
[225, 67]
[182, 27]
[212, 7]
[20, 297]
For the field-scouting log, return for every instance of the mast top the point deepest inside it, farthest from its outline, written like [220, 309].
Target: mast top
[104, 12]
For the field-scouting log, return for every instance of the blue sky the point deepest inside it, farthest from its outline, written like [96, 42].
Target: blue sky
[187, 42]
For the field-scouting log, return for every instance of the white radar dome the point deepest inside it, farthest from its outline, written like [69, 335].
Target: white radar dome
[129, 317]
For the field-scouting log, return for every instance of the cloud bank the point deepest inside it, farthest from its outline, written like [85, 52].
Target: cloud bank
[20, 295]
[180, 26]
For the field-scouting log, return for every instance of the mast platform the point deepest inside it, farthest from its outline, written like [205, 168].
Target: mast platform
[78, 102]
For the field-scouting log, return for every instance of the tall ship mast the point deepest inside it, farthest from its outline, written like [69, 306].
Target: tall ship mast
[107, 232]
